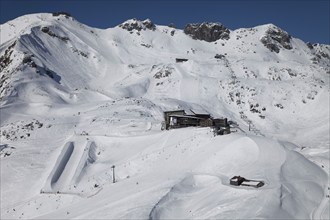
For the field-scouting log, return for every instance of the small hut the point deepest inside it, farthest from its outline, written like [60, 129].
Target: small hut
[236, 180]
[180, 60]
[241, 181]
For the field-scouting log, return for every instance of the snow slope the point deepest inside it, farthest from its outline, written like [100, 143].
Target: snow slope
[76, 100]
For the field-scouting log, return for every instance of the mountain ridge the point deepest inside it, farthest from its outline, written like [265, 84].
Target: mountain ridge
[86, 46]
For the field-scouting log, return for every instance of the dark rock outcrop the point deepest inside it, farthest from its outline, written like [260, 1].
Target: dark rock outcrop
[28, 60]
[47, 30]
[321, 54]
[207, 31]
[219, 56]
[135, 24]
[275, 39]
[55, 14]
[5, 59]
[310, 45]
[149, 24]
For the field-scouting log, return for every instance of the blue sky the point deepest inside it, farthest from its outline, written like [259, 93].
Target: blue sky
[304, 19]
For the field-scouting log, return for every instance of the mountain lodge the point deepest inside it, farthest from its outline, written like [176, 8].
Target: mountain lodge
[180, 119]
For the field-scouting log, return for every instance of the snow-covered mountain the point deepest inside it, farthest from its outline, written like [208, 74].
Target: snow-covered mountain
[76, 100]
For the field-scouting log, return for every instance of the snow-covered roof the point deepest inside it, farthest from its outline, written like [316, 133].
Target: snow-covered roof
[199, 112]
[251, 183]
[184, 116]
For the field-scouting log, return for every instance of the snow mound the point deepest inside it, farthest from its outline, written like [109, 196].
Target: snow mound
[204, 196]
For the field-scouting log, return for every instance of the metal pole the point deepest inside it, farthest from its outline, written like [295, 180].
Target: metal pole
[113, 174]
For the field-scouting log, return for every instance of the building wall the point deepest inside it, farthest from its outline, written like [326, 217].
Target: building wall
[206, 123]
[167, 116]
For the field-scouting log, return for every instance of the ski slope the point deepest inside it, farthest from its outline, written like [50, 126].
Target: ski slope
[76, 100]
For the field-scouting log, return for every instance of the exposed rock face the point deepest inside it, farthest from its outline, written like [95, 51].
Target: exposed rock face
[276, 38]
[149, 24]
[207, 31]
[219, 56]
[6, 74]
[321, 54]
[310, 45]
[66, 14]
[135, 24]
[5, 59]
[47, 30]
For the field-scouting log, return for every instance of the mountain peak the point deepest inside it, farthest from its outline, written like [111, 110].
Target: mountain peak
[207, 31]
[23, 24]
[276, 38]
[135, 24]
[61, 13]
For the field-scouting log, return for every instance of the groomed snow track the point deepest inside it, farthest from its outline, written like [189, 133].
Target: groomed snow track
[69, 167]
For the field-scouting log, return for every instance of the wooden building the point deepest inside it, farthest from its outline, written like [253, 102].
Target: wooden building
[179, 119]
[167, 117]
[221, 126]
[206, 122]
